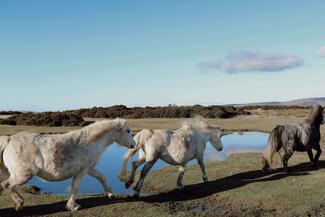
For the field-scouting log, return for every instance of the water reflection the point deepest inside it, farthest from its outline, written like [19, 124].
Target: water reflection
[238, 143]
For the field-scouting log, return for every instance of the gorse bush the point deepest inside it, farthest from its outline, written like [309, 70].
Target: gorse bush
[51, 119]
[75, 117]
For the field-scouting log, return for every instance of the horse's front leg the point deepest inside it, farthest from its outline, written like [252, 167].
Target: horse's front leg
[202, 167]
[72, 205]
[319, 151]
[146, 168]
[97, 175]
[181, 172]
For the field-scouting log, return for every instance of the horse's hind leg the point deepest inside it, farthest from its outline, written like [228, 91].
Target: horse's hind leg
[143, 174]
[135, 165]
[4, 175]
[201, 164]
[181, 172]
[285, 160]
[10, 184]
[97, 175]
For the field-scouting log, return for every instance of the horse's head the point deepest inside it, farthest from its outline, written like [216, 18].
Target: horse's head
[316, 116]
[212, 132]
[122, 134]
[319, 109]
[215, 137]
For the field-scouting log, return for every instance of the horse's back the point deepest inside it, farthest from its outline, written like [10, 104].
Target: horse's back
[180, 147]
[22, 141]
[301, 135]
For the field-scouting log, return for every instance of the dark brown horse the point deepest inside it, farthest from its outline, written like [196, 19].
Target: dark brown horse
[296, 137]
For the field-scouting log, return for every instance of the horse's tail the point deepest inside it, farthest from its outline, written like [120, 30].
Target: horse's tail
[4, 140]
[125, 161]
[273, 145]
[140, 138]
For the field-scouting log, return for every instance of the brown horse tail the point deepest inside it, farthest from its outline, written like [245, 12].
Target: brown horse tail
[273, 145]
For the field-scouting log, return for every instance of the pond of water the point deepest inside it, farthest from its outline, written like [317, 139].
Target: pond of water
[110, 163]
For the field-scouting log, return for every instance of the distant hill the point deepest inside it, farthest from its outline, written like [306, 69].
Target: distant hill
[297, 102]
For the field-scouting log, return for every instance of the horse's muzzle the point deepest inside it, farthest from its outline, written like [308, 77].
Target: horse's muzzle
[132, 145]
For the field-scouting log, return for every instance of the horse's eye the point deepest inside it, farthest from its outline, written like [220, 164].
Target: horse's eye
[128, 131]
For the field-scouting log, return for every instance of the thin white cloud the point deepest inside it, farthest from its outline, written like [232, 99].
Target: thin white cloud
[321, 51]
[248, 61]
[210, 65]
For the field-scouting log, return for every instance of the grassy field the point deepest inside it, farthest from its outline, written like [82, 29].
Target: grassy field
[237, 186]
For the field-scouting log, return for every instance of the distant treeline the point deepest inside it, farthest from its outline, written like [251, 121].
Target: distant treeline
[51, 119]
[160, 112]
[75, 117]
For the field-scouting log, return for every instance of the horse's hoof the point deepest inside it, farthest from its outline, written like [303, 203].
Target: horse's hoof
[127, 184]
[286, 170]
[121, 178]
[73, 207]
[110, 195]
[265, 169]
[180, 187]
[205, 179]
[19, 206]
[77, 207]
[313, 164]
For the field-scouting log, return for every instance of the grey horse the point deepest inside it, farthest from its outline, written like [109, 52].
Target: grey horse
[301, 137]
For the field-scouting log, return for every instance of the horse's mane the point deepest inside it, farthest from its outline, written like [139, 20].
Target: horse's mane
[198, 122]
[96, 130]
[316, 115]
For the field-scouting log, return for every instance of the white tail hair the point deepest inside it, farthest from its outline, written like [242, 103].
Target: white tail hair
[140, 138]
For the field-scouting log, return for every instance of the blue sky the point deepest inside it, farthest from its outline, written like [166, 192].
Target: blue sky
[57, 55]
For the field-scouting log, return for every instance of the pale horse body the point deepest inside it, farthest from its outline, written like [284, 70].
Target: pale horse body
[174, 147]
[59, 156]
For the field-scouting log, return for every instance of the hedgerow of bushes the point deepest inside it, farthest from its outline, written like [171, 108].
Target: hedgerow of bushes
[75, 117]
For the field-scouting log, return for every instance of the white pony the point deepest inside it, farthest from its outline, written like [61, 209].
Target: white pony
[59, 157]
[174, 147]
